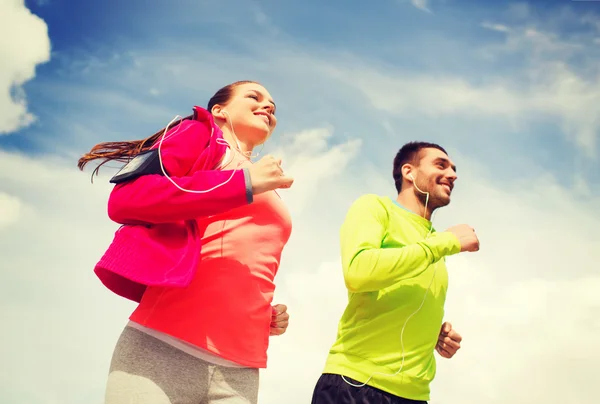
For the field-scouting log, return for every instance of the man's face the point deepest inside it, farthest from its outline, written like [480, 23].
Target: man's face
[436, 174]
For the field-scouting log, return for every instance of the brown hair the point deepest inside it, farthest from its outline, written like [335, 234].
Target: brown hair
[410, 153]
[123, 151]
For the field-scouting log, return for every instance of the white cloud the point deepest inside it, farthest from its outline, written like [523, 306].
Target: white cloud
[592, 20]
[24, 44]
[10, 209]
[431, 96]
[495, 27]
[546, 87]
[421, 5]
[52, 306]
[310, 161]
[260, 17]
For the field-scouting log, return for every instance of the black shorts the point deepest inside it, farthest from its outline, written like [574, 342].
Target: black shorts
[332, 389]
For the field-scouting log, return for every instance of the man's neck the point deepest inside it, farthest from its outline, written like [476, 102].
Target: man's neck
[409, 200]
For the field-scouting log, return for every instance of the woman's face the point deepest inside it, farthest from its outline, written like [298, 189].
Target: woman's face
[251, 112]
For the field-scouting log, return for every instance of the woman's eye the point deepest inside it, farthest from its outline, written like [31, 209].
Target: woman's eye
[254, 97]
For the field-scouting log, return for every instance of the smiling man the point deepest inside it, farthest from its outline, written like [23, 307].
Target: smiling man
[394, 268]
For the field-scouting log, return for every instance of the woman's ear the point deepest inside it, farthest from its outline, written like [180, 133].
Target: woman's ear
[218, 112]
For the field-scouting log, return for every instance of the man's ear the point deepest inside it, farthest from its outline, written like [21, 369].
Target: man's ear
[407, 174]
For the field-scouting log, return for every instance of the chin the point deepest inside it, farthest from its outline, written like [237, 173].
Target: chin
[442, 200]
[257, 134]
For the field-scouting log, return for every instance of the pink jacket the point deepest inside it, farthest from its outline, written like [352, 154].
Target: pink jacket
[159, 242]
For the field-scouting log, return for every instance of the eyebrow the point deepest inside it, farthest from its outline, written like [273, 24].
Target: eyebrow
[445, 160]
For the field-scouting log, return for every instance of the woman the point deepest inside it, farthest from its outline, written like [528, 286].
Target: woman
[202, 235]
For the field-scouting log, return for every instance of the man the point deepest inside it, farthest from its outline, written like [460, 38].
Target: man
[394, 268]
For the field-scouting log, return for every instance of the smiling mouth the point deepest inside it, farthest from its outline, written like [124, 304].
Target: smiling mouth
[447, 187]
[265, 117]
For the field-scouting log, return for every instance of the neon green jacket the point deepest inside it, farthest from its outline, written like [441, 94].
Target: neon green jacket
[389, 259]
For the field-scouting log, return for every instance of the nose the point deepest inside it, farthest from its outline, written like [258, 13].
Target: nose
[451, 175]
[268, 107]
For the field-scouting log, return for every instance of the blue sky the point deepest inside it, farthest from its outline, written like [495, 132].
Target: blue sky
[511, 89]
[111, 57]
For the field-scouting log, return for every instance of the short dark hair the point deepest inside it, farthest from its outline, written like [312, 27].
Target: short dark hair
[410, 153]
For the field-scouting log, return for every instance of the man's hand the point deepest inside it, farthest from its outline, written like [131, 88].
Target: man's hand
[279, 319]
[448, 341]
[466, 236]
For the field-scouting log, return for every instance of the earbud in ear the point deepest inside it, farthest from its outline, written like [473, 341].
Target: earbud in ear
[220, 113]
[411, 176]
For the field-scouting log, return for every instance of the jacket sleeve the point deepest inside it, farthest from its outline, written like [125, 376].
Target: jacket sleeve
[368, 267]
[153, 198]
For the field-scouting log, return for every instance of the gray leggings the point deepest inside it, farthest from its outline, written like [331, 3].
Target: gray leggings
[145, 370]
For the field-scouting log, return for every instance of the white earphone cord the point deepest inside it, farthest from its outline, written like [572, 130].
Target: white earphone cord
[239, 148]
[219, 141]
[409, 317]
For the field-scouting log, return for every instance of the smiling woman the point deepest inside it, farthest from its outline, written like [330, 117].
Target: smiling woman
[202, 236]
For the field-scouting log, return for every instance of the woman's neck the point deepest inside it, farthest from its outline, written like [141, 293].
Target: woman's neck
[235, 142]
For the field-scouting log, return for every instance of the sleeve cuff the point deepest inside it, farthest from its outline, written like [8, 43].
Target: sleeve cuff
[443, 244]
[249, 194]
